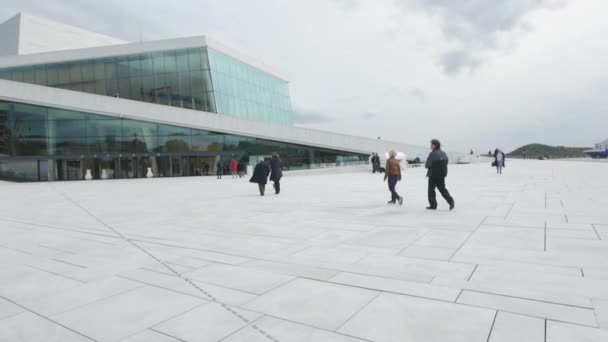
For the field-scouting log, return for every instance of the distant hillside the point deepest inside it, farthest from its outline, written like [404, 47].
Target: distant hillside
[537, 150]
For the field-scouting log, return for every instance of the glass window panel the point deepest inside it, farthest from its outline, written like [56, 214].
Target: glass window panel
[28, 75]
[27, 146]
[194, 59]
[112, 87]
[139, 144]
[161, 89]
[5, 74]
[101, 87]
[148, 89]
[99, 71]
[62, 114]
[147, 67]
[104, 128]
[40, 75]
[124, 88]
[63, 73]
[207, 143]
[67, 128]
[173, 130]
[174, 144]
[137, 92]
[87, 71]
[104, 144]
[110, 69]
[173, 89]
[29, 129]
[135, 66]
[158, 63]
[122, 67]
[17, 75]
[68, 145]
[75, 74]
[29, 112]
[134, 128]
[170, 62]
[182, 60]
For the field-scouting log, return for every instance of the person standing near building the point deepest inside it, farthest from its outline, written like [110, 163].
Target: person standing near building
[437, 171]
[499, 160]
[260, 175]
[393, 174]
[219, 168]
[276, 172]
[234, 168]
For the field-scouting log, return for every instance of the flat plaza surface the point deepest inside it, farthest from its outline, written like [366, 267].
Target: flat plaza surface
[523, 257]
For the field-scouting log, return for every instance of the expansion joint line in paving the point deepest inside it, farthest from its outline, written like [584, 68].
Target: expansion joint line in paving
[172, 270]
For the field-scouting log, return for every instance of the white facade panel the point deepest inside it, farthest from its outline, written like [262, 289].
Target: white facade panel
[9, 37]
[37, 34]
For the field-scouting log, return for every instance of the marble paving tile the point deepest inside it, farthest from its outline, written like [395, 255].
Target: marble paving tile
[510, 327]
[319, 304]
[427, 252]
[239, 278]
[127, 313]
[28, 327]
[282, 330]
[564, 313]
[207, 323]
[8, 309]
[564, 332]
[393, 317]
[399, 286]
[150, 336]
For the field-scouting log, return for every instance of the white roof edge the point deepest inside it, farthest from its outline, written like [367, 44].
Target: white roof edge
[130, 49]
[106, 105]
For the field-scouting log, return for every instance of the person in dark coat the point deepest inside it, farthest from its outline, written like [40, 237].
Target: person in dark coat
[499, 160]
[276, 172]
[219, 169]
[437, 171]
[260, 175]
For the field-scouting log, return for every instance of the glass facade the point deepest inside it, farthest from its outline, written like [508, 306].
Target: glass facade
[42, 143]
[248, 92]
[200, 79]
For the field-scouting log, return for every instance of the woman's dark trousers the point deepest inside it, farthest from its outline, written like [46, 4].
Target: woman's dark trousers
[392, 183]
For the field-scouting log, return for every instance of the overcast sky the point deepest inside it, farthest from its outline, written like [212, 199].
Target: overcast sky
[474, 73]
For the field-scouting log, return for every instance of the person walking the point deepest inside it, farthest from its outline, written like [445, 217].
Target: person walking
[233, 168]
[260, 175]
[499, 160]
[219, 169]
[276, 172]
[437, 171]
[393, 174]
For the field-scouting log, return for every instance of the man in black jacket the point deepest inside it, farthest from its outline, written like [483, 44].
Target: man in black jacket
[437, 170]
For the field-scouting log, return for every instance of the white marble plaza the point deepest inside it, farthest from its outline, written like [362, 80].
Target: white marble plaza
[523, 257]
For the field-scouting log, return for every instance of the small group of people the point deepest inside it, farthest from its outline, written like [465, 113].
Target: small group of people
[437, 170]
[264, 170]
[234, 168]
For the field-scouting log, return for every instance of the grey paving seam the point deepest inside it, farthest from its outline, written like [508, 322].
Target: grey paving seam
[533, 300]
[492, 326]
[187, 280]
[545, 330]
[472, 272]
[17, 250]
[459, 294]
[314, 327]
[467, 239]
[170, 336]
[68, 263]
[357, 312]
[509, 212]
[545, 239]
[56, 249]
[240, 329]
[582, 273]
[599, 237]
[49, 319]
[54, 273]
[56, 228]
[98, 300]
